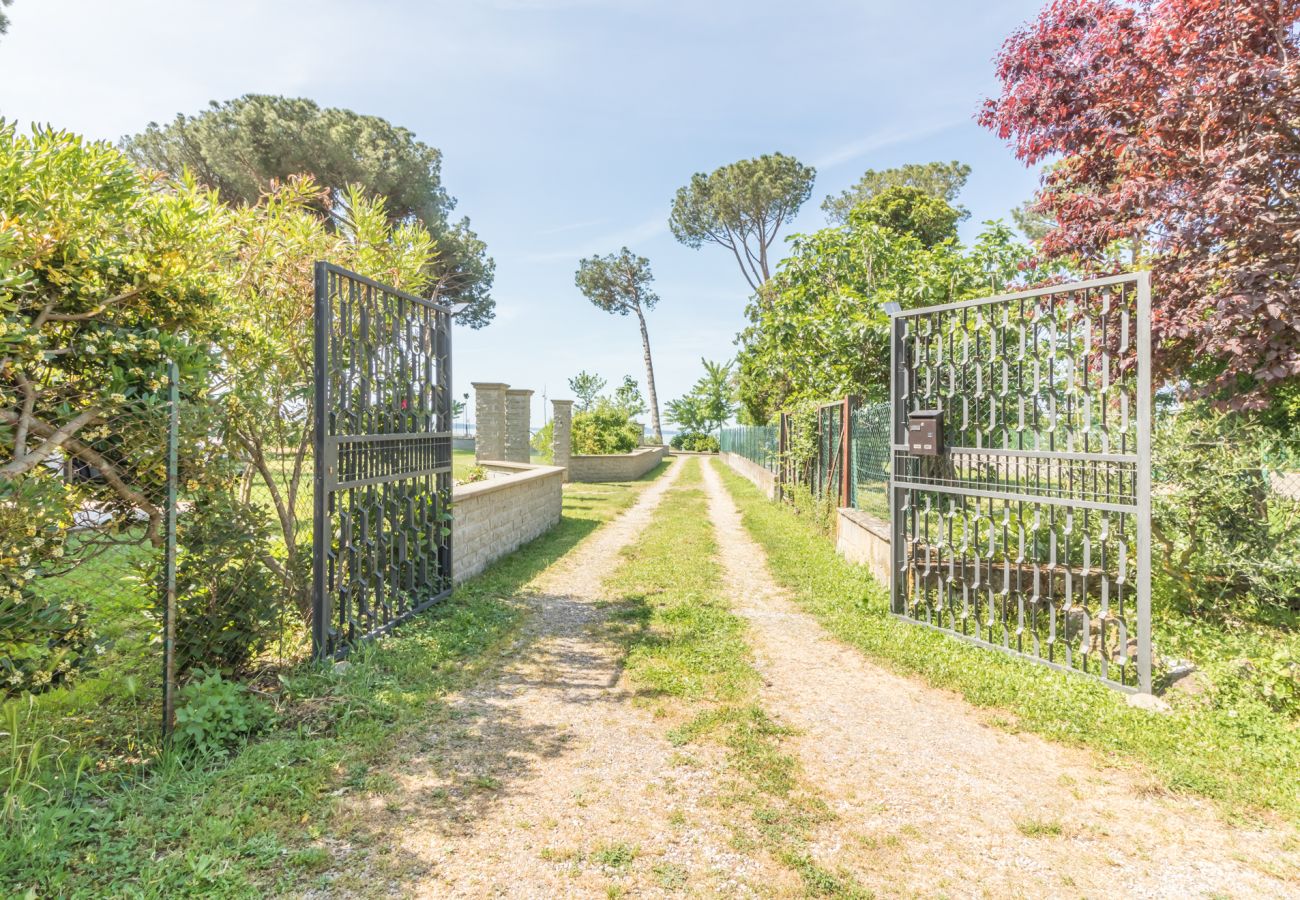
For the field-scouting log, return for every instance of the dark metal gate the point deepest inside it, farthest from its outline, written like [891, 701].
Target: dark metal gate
[1021, 481]
[382, 532]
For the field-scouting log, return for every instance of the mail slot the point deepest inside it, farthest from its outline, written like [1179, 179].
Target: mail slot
[925, 432]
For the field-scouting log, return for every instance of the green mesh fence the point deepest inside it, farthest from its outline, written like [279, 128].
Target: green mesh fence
[757, 443]
[869, 453]
[827, 470]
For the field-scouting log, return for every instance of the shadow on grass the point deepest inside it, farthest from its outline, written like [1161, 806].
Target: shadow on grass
[628, 622]
[237, 825]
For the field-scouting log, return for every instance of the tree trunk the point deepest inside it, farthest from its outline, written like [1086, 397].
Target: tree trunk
[651, 395]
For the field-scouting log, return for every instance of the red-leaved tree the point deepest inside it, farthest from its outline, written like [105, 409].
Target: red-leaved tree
[1176, 124]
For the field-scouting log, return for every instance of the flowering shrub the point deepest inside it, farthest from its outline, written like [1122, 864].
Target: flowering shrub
[473, 475]
[105, 276]
[42, 641]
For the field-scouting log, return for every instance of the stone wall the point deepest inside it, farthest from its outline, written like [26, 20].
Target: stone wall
[519, 436]
[614, 466]
[864, 539]
[492, 518]
[562, 434]
[490, 420]
[764, 480]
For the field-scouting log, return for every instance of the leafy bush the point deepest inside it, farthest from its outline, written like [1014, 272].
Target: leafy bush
[605, 429]
[1273, 680]
[696, 441]
[542, 442]
[228, 600]
[42, 640]
[1227, 559]
[1226, 543]
[213, 714]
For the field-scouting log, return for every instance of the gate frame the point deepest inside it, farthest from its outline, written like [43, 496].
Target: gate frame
[1142, 457]
[324, 481]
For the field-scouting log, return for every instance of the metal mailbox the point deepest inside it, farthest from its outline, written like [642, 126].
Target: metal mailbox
[925, 432]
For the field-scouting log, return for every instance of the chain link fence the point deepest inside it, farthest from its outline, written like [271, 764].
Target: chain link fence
[756, 443]
[870, 455]
[145, 538]
[1284, 473]
[83, 536]
[828, 466]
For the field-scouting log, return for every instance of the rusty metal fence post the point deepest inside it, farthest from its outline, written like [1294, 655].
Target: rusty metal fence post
[846, 450]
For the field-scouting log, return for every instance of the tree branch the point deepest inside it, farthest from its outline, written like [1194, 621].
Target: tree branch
[106, 468]
[24, 422]
[82, 317]
[258, 458]
[54, 438]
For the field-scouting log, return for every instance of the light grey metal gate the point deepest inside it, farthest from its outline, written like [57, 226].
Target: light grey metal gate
[1020, 488]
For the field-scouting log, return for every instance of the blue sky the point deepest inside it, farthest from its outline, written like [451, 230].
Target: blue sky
[566, 125]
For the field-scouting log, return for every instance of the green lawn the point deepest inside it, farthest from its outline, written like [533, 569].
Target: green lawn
[246, 825]
[1239, 752]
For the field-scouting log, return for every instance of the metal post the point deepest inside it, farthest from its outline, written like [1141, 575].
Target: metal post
[320, 608]
[782, 445]
[444, 481]
[1144, 481]
[896, 531]
[846, 467]
[169, 560]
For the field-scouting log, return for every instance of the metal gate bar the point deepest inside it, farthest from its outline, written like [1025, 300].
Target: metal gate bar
[1028, 528]
[382, 524]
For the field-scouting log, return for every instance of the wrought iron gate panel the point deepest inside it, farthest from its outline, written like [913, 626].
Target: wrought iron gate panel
[382, 534]
[1030, 530]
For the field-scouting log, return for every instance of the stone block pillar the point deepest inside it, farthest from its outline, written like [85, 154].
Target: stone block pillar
[490, 420]
[519, 403]
[562, 439]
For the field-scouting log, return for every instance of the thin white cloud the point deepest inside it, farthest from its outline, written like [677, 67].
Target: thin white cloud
[878, 141]
[554, 5]
[573, 226]
[606, 243]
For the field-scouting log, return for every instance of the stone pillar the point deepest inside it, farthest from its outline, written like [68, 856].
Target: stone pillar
[490, 420]
[519, 404]
[562, 439]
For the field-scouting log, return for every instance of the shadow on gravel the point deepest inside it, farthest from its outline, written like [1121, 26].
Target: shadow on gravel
[484, 747]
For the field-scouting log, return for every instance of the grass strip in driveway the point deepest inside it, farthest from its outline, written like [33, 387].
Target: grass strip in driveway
[241, 826]
[1246, 761]
[687, 654]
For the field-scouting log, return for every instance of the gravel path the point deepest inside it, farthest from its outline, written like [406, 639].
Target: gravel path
[932, 800]
[548, 781]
